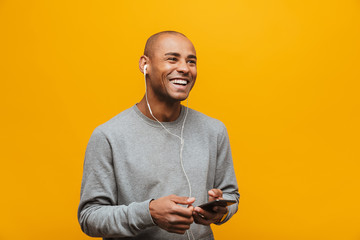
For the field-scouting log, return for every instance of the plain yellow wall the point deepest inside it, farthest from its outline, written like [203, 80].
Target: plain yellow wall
[282, 75]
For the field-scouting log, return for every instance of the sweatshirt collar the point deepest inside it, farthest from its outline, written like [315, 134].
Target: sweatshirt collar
[154, 123]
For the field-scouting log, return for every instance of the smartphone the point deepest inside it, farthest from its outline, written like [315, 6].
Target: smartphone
[218, 202]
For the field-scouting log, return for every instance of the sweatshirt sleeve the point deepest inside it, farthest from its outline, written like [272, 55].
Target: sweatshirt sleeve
[225, 178]
[99, 214]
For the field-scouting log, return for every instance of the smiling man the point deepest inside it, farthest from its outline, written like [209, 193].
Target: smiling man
[171, 74]
[147, 169]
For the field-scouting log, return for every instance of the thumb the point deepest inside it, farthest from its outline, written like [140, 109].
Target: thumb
[182, 200]
[215, 194]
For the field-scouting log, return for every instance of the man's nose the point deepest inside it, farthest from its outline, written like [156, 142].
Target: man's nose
[183, 67]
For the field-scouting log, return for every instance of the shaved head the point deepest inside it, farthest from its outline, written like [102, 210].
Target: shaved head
[150, 43]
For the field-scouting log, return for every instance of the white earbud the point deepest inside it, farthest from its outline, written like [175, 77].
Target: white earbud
[145, 67]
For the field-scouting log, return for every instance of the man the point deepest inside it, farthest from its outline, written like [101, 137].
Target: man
[148, 167]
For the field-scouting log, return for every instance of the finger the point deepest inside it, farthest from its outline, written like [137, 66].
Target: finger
[219, 209]
[200, 219]
[179, 220]
[182, 200]
[206, 218]
[205, 214]
[179, 229]
[180, 211]
[216, 193]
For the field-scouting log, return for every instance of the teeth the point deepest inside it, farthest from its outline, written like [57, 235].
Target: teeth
[179, 81]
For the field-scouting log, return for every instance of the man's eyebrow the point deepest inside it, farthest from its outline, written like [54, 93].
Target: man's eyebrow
[178, 55]
[192, 56]
[173, 53]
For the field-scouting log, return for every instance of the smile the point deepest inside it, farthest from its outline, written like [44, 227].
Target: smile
[179, 81]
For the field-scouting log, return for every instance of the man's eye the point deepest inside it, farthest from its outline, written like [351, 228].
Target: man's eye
[192, 61]
[172, 59]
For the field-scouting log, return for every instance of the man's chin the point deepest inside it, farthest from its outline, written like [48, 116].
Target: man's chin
[182, 98]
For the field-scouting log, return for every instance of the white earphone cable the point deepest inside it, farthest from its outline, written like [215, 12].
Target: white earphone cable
[181, 139]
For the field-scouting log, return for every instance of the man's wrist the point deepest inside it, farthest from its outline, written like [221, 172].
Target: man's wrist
[151, 214]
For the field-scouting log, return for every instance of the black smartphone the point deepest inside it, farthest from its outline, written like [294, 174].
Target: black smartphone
[218, 202]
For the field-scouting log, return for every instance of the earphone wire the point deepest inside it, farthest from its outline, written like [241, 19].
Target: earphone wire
[181, 140]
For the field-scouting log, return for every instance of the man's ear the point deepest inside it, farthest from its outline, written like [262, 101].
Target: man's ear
[142, 62]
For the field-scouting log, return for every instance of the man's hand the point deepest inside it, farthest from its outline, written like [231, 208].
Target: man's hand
[207, 217]
[168, 215]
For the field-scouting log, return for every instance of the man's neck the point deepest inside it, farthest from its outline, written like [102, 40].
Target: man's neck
[163, 111]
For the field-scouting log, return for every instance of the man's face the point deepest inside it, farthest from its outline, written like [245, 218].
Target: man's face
[172, 68]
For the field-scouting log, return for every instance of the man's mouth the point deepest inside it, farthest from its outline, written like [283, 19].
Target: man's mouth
[179, 82]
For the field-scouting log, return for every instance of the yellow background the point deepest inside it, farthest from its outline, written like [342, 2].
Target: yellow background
[282, 75]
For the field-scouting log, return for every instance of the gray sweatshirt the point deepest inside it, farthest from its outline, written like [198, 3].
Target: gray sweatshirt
[131, 160]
